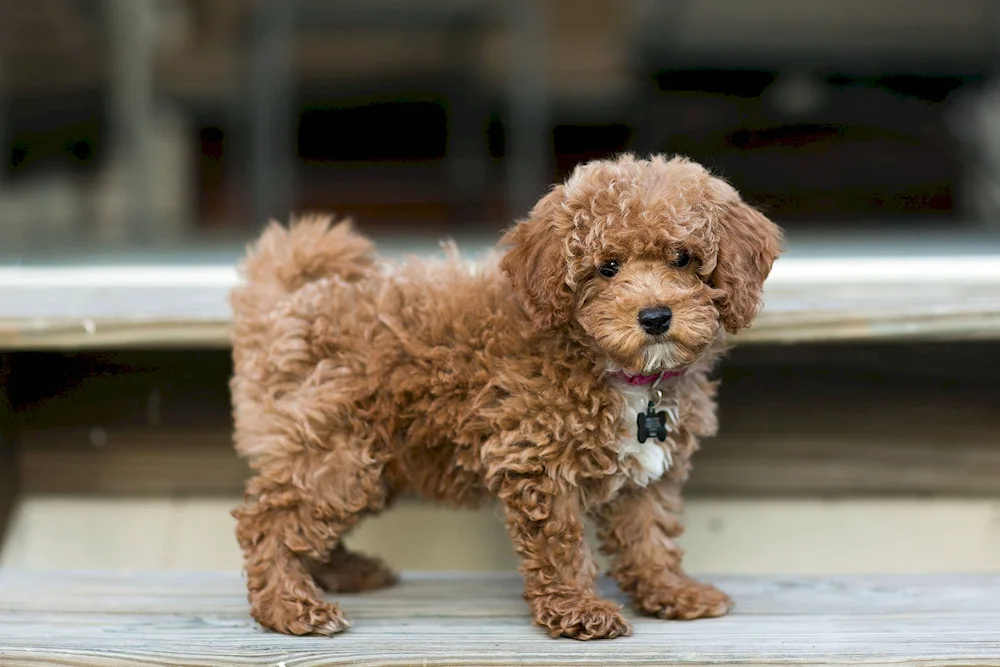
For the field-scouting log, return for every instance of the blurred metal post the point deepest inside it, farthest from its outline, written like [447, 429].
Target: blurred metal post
[132, 32]
[992, 218]
[466, 151]
[272, 110]
[529, 138]
[652, 34]
[975, 121]
[4, 137]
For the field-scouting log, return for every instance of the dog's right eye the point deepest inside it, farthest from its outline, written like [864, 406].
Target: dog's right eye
[609, 269]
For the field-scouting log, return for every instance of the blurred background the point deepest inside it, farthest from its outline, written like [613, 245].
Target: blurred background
[146, 141]
[153, 123]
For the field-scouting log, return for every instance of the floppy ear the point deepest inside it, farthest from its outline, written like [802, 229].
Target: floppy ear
[536, 265]
[748, 245]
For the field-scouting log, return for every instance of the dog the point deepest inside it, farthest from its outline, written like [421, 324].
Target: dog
[567, 377]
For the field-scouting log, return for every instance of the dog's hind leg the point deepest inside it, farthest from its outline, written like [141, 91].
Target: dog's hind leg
[294, 516]
[347, 571]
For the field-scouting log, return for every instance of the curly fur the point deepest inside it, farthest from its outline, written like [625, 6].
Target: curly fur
[355, 382]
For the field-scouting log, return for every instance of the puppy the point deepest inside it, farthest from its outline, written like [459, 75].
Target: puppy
[567, 379]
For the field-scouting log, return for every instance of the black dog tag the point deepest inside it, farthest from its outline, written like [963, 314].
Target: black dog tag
[652, 423]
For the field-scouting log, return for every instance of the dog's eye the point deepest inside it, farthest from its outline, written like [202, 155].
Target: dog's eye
[609, 269]
[682, 259]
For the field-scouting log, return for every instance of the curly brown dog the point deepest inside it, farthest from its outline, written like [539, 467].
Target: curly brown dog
[568, 379]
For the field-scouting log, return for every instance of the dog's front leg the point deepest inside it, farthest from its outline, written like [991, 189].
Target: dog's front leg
[637, 530]
[546, 527]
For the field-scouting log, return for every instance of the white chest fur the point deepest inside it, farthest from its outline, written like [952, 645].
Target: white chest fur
[642, 462]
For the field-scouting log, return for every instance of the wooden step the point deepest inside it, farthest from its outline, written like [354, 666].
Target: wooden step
[928, 293]
[198, 618]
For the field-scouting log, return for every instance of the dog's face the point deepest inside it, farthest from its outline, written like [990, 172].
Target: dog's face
[649, 258]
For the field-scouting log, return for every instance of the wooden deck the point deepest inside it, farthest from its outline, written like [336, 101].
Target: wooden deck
[924, 295]
[104, 619]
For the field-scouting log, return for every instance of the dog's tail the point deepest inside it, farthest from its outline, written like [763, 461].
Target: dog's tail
[284, 259]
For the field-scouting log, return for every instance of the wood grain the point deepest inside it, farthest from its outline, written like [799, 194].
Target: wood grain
[102, 619]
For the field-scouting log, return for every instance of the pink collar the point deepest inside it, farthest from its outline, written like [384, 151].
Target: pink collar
[641, 380]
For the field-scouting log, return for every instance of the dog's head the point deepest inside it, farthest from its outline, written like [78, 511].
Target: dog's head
[650, 258]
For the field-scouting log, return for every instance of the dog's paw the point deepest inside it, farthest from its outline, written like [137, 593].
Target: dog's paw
[684, 599]
[581, 618]
[303, 618]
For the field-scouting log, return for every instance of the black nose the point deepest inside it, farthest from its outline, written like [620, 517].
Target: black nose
[655, 320]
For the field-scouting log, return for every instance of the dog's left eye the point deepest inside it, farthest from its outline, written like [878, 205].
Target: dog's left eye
[609, 269]
[682, 259]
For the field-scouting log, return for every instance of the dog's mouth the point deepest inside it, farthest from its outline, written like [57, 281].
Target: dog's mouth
[661, 357]
[644, 379]
[637, 354]
[654, 360]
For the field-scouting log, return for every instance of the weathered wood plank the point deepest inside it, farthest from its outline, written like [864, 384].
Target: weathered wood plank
[97, 619]
[149, 462]
[132, 461]
[808, 300]
[799, 536]
[829, 421]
